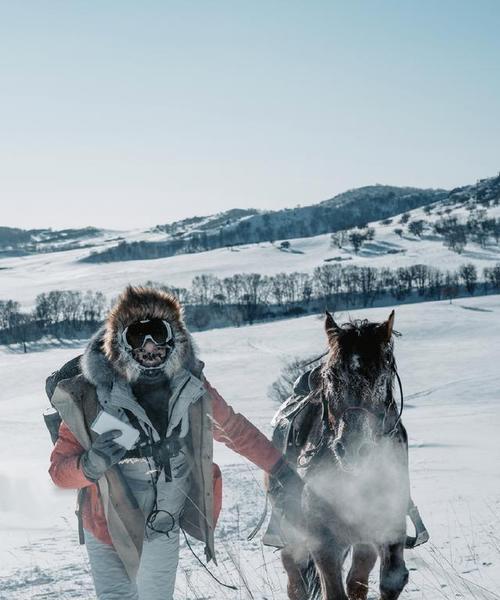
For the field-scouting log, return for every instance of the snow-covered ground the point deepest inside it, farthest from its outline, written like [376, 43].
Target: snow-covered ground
[448, 358]
[22, 278]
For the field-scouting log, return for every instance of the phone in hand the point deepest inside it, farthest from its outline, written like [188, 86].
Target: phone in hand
[105, 422]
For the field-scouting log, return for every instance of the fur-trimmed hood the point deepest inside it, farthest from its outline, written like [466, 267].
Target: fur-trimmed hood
[105, 354]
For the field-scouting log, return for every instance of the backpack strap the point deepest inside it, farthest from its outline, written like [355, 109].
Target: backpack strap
[78, 512]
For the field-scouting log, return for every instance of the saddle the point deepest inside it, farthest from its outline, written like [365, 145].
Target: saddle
[293, 422]
[293, 425]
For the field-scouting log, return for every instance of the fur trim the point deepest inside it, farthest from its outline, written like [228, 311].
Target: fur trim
[105, 353]
[95, 367]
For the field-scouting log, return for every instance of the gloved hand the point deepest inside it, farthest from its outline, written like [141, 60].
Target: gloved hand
[102, 455]
[285, 488]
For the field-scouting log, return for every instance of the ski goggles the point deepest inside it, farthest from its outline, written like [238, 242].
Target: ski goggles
[137, 334]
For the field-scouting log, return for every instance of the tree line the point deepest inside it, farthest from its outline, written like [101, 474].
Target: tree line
[61, 313]
[249, 297]
[455, 231]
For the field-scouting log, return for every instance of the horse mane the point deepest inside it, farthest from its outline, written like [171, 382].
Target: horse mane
[359, 336]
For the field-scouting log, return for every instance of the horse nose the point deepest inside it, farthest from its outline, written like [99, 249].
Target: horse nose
[365, 450]
[339, 449]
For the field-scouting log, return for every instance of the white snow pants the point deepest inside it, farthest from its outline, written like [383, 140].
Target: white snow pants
[160, 553]
[156, 577]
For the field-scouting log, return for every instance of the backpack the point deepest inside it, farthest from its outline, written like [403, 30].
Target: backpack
[50, 415]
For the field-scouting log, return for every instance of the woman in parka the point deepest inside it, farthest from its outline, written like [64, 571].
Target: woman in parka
[141, 367]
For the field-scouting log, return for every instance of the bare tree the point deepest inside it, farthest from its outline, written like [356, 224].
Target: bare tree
[49, 307]
[451, 285]
[282, 388]
[9, 309]
[253, 288]
[416, 228]
[203, 288]
[368, 280]
[93, 306]
[277, 288]
[71, 306]
[338, 239]
[492, 276]
[456, 239]
[356, 238]
[305, 287]
[420, 275]
[328, 281]
[468, 274]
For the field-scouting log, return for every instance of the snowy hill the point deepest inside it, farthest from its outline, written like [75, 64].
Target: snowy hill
[235, 226]
[452, 414]
[19, 242]
[393, 245]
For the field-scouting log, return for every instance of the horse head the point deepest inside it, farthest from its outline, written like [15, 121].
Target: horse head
[357, 385]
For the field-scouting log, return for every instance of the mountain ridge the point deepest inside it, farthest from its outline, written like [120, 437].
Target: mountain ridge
[234, 222]
[355, 207]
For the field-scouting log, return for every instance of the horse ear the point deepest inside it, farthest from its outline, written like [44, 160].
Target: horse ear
[331, 328]
[386, 327]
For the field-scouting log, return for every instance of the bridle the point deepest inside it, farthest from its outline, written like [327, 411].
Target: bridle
[385, 434]
[393, 431]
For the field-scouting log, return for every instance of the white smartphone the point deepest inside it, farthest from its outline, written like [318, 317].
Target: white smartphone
[106, 422]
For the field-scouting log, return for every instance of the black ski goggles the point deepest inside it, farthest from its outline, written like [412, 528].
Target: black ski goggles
[157, 330]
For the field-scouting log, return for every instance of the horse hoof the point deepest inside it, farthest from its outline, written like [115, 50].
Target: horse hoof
[357, 590]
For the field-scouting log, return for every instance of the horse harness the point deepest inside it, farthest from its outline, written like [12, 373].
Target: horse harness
[395, 428]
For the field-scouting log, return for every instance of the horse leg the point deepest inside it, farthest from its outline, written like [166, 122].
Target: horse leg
[329, 558]
[364, 557]
[296, 586]
[393, 571]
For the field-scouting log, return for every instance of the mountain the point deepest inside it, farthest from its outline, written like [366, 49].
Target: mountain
[235, 227]
[20, 242]
[232, 228]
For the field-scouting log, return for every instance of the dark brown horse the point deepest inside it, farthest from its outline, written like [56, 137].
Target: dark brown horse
[353, 457]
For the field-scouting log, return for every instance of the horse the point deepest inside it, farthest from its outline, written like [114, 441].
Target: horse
[351, 450]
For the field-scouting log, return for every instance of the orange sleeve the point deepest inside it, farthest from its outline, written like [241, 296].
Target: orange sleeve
[236, 432]
[65, 469]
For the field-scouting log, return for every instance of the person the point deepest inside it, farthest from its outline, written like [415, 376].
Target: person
[141, 367]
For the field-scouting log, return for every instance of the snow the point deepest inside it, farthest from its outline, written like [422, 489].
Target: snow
[448, 359]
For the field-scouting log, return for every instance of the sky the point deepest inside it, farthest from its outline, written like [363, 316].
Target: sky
[125, 114]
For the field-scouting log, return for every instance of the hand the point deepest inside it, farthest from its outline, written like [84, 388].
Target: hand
[102, 455]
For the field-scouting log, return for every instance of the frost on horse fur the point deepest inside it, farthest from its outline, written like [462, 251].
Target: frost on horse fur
[354, 461]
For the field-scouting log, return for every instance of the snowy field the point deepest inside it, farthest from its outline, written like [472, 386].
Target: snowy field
[448, 357]
[22, 278]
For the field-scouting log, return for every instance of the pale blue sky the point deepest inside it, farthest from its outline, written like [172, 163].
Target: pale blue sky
[123, 113]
